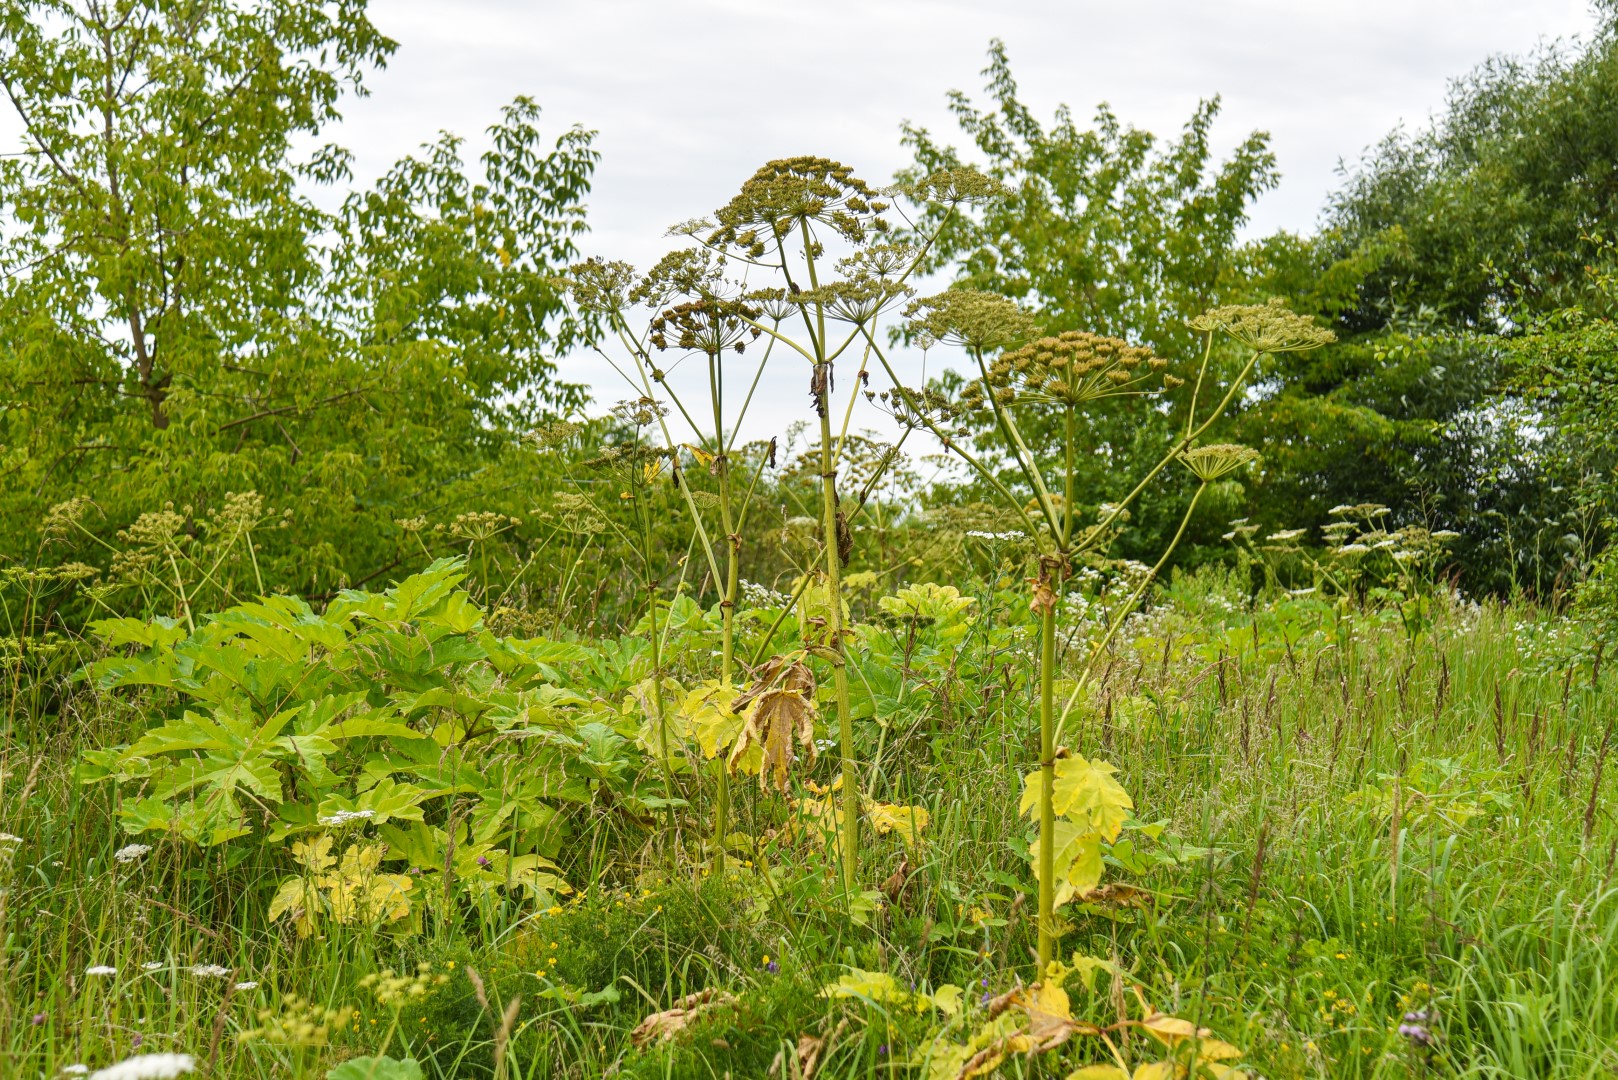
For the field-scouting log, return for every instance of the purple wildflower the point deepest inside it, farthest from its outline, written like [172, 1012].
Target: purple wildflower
[38, 1019]
[773, 967]
[1415, 1029]
[483, 860]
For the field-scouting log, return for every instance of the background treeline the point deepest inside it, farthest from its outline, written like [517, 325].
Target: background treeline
[182, 324]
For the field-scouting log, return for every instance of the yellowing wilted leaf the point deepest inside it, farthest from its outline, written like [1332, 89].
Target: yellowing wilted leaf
[1098, 1072]
[664, 1026]
[314, 854]
[780, 709]
[708, 715]
[1085, 791]
[906, 821]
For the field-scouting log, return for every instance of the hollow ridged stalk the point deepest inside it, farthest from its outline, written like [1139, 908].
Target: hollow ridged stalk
[839, 671]
[727, 655]
[1047, 772]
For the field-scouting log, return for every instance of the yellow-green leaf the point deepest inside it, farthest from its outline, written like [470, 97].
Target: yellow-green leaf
[907, 821]
[1086, 792]
[1098, 1072]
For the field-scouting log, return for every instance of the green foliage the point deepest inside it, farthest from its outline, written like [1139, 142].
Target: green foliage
[1103, 230]
[1492, 202]
[1297, 819]
[182, 320]
[1566, 366]
[376, 1068]
[396, 712]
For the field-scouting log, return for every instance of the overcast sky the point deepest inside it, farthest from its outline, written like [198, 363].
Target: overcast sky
[689, 96]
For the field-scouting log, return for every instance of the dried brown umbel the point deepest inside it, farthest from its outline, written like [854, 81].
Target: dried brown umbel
[784, 194]
[1070, 369]
[980, 321]
[1265, 328]
[710, 326]
[857, 301]
[599, 285]
[959, 185]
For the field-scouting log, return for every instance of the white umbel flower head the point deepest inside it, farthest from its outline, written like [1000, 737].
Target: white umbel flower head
[343, 817]
[148, 1067]
[245, 986]
[209, 971]
[7, 838]
[131, 852]
[75, 1070]
[100, 969]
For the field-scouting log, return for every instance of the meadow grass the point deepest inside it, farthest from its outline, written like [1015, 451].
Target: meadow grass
[1336, 825]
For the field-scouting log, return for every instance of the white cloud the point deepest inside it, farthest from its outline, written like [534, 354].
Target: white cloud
[689, 96]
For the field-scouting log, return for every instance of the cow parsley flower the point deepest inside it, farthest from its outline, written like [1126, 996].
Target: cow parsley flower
[245, 986]
[148, 1067]
[100, 969]
[131, 852]
[75, 1070]
[343, 817]
[209, 971]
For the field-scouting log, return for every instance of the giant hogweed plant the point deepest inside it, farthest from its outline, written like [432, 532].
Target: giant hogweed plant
[816, 271]
[1078, 803]
[406, 758]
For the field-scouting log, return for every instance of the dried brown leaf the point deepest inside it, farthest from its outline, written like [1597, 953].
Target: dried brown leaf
[665, 1025]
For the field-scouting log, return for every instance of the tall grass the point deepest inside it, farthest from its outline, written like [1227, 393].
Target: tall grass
[1338, 825]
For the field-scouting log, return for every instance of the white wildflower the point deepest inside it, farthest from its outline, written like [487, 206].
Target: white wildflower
[1340, 508]
[1446, 534]
[100, 969]
[755, 595]
[1353, 549]
[7, 838]
[1301, 592]
[994, 537]
[1287, 534]
[1404, 556]
[343, 817]
[75, 1070]
[245, 986]
[209, 971]
[152, 965]
[148, 1067]
[130, 852]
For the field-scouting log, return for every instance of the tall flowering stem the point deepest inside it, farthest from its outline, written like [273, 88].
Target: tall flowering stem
[818, 231]
[1020, 370]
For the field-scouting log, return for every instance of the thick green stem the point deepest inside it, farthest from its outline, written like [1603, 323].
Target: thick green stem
[727, 604]
[834, 635]
[657, 660]
[1047, 772]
